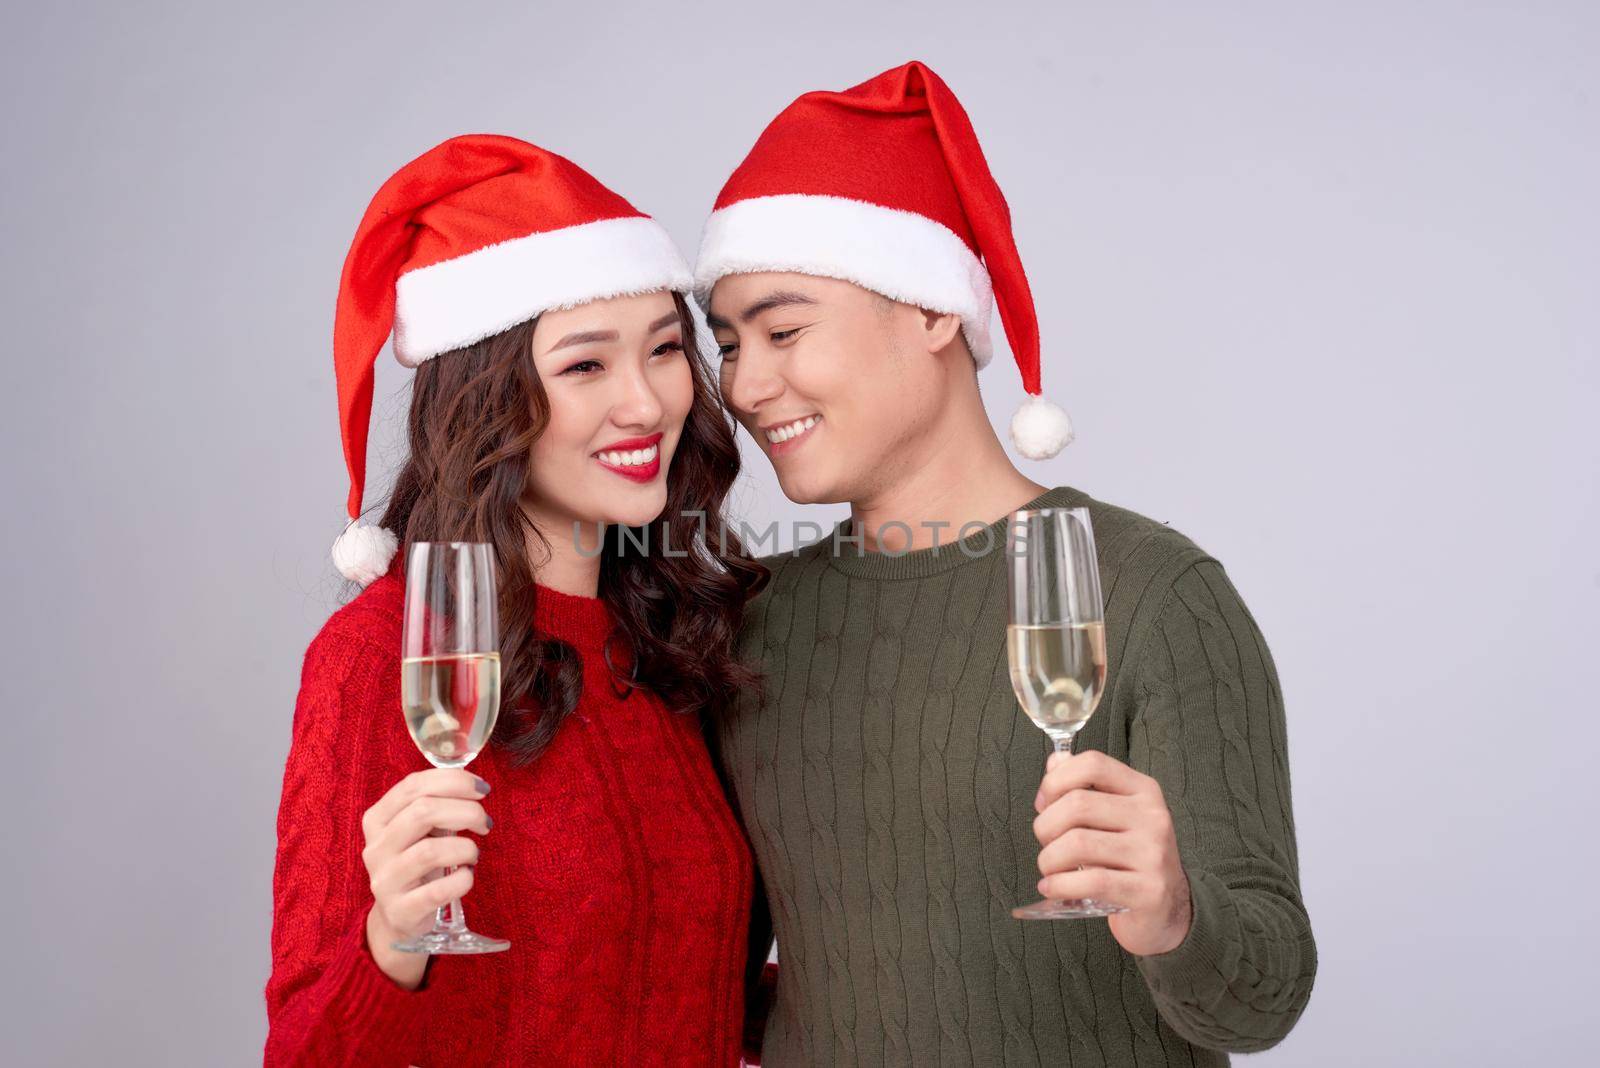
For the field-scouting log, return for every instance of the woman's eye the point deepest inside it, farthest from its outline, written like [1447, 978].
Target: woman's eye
[583, 367]
[727, 351]
[666, 347]
[784, 335]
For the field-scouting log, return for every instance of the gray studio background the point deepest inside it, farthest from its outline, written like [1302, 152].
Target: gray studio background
[1317, 283]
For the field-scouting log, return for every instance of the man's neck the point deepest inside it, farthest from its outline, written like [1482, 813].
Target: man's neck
[966, 478]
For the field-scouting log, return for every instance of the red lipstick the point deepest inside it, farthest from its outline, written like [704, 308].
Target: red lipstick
[645, 472]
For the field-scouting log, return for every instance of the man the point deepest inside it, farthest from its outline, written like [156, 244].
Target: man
[890, 787]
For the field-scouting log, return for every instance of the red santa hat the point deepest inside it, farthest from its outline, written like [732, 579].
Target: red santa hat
[469, 239]
[884, 185]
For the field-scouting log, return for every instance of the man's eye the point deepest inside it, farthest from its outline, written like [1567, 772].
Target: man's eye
[784, 335]
[666, 347]
[584, 367]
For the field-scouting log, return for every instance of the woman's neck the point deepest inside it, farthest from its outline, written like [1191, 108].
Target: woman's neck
[571, 562]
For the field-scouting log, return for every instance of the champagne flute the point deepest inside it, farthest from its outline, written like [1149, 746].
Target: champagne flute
[1056, 642]
[450, 686]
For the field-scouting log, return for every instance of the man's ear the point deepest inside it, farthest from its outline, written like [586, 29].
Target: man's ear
[940, 328]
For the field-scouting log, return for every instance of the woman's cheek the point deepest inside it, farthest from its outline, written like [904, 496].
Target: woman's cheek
[682, 392]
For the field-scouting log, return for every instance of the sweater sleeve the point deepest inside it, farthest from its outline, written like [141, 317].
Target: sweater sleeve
[760, 976]
[328, 1003]
[1209, 727]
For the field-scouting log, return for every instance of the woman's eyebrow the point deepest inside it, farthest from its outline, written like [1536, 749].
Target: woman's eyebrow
[584, 337]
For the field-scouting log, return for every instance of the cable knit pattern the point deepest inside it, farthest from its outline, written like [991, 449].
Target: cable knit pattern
[615, 867]
[883, 874]
[887, 778]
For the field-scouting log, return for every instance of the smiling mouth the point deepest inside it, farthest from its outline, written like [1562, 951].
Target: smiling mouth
[782, 438]
[630, 457]
[641, 464]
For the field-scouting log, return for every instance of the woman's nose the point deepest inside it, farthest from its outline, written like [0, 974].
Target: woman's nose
[639, 404]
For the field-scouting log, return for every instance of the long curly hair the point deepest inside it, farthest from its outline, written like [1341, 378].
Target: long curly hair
[475, 415]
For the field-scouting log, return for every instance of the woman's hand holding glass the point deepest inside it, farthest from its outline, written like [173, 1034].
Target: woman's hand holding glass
[410, 834]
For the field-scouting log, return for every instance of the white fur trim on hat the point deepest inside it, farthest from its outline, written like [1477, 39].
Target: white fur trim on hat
[904, 256]
[705, 340]
[1040, 429]
[459, 301]
[362, 553]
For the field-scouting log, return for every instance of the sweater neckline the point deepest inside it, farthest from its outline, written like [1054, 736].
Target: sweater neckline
[851, 559]
[585, 622]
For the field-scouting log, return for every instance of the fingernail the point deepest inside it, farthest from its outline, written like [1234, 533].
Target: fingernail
[1038, 799]
[1042, 883]
[482, 786]
[490, 821]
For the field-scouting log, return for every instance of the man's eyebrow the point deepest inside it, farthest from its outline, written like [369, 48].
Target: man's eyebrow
[586, 337]
[783, 298]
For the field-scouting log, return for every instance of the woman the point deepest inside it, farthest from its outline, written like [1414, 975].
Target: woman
[557, 385]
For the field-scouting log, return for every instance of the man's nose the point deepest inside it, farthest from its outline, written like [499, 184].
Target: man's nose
[750, 382]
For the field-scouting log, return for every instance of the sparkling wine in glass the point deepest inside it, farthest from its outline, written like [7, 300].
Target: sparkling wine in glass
[450, 703]
[450, 685]
[1056, 642]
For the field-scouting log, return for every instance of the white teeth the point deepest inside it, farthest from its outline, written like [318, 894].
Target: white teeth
[633, 458]
[792, 430]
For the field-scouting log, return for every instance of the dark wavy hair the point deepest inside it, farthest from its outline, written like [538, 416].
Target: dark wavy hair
[475, 414]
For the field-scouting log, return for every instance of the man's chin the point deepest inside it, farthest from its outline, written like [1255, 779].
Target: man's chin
[802, 490]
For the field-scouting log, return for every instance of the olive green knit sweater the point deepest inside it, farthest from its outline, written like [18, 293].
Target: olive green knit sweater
[886, 778]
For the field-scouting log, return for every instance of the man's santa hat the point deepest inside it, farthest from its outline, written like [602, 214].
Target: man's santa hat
[884, 185]
[469, 239]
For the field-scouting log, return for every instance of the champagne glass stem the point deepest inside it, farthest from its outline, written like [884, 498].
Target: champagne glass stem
[450, 917]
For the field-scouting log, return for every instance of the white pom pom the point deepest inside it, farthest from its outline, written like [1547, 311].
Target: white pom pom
[1040, 429]
[363, 553]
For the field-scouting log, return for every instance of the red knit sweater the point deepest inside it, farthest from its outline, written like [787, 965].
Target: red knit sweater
[615, 867]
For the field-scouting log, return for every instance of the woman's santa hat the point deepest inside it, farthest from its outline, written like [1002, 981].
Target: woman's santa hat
[469, 239]
[884, 185]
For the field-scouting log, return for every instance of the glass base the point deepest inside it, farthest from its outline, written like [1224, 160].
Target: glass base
[453, 942]
[1081, 909]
